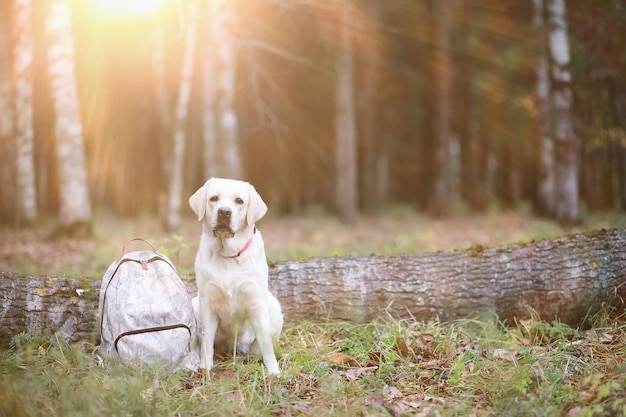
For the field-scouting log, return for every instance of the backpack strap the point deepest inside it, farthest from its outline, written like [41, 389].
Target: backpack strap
[140, 240]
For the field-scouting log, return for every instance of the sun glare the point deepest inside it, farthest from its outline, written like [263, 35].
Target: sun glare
[127, 7]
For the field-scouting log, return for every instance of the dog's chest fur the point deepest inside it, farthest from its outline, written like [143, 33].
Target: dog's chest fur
[230, 284]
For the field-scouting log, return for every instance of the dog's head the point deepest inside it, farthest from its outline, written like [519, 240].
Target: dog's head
[227, 206]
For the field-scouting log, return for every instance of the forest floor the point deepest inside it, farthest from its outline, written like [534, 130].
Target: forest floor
[476, 366]
[33, 251]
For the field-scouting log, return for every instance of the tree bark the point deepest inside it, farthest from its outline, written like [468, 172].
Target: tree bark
[345, 122]
[75, 210]
[566, 147]
[369, 147]
[210, 154]
[24, 136]
[441, 201]
[220, 121]
[546, 142]
[567, 279]
[175, 192]
[474, 167]
[7, 167]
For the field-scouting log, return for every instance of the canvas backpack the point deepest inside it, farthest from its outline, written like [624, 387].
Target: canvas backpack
[146, 315]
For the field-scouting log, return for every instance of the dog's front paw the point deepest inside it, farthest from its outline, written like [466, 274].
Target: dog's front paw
[204, 374]
[207, 366]
[273, 369]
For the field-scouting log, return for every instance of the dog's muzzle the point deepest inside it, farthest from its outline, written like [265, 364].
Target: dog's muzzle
[222, 226]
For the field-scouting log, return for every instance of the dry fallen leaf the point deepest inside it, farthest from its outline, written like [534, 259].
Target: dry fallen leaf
[226, 374]
[574, 410]
[505, 355]
[403, 349]
[355, 373]
[339, 358]
[392, 393]
[606, 338]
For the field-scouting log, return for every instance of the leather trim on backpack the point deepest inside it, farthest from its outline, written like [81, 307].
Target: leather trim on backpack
[151, 329]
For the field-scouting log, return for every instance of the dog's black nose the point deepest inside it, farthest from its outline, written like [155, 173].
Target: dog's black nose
[224, 212]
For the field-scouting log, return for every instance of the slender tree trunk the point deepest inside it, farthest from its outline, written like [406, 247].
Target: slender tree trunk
[546, 142]
[175, 194]
[474, 168]
[164, 108]
[219, 117]
[75, 210]
[24, 139]
[566, 147]
[345, 123]
[371, 152]
[454, 170]
[492, 164]
[210, 154]
[441, 198]
[228, 122]
[617, 97]
[382, 169]
[7, 166]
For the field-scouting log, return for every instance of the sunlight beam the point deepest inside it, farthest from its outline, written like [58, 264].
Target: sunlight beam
[127, 7]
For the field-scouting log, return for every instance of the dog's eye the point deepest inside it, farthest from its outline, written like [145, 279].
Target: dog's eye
[214, 199]
[238, 200]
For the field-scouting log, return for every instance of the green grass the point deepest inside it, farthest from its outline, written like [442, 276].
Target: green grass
[475, 366]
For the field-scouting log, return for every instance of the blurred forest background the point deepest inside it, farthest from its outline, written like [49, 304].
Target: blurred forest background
[345, 105]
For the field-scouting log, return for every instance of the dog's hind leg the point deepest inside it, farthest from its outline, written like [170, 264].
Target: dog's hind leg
[276, 317]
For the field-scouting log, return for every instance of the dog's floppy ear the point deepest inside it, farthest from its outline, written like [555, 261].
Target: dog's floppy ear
[197, 201]
[256, 207]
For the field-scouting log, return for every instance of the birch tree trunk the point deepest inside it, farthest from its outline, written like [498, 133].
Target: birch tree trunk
[7, 167]
[566, 147]
[162, 97]
[175, 194]
[24, 138]
[75, 210]
[546, 143]
[441, 193]
[219, 116]
[345, 122]
[210, 154]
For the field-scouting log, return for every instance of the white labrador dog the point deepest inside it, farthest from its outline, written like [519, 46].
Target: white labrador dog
[234, 306]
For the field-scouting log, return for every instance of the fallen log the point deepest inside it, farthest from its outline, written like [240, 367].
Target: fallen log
[566, 278]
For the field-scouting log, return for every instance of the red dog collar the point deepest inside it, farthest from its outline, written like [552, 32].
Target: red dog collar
[246, 246]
